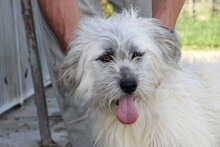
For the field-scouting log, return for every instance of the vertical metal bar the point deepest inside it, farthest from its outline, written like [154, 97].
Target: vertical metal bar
[34, 60]
[14, 11]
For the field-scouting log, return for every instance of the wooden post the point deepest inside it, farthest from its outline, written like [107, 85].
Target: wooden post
[212, 7]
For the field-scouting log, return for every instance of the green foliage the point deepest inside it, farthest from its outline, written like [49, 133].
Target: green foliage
[199, 32]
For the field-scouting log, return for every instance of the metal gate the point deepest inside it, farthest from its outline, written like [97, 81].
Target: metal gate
[15, 74]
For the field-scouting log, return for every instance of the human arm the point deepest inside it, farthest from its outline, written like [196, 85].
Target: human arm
[167, 11]
[63, 17]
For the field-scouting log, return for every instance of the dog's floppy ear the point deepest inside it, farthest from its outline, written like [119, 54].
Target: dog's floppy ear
[67, 73]
[167, 42]
[74, 75]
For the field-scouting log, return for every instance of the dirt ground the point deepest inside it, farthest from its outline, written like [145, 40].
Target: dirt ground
[19, 126]
[206, 55]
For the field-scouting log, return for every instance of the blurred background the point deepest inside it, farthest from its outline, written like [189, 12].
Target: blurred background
[199, 25]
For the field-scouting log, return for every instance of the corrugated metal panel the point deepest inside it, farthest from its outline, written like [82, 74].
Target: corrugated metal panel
[15, 74]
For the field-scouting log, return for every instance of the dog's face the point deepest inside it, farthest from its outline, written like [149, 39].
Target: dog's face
[116, 64]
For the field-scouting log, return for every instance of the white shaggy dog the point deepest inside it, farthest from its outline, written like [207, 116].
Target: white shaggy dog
[127, 70]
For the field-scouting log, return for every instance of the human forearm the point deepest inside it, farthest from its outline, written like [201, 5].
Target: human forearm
[167, 11]
[63, 17]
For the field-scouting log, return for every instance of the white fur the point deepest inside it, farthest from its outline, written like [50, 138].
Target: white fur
[178, 102]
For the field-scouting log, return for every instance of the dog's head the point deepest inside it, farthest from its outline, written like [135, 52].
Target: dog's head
[116, 64]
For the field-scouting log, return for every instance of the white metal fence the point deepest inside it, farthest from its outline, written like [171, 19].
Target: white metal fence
[15, 75]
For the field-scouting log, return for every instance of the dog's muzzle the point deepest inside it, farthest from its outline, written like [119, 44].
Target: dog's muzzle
[128, 85]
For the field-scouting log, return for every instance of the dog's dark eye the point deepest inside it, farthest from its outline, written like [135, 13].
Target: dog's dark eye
[106, 57]
[136, 55]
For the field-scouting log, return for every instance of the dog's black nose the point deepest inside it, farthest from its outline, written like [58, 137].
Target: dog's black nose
[128, 85]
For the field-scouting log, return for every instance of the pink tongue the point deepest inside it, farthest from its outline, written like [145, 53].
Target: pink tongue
[126, 111]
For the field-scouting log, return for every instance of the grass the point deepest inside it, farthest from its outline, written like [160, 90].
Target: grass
[200, 32]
